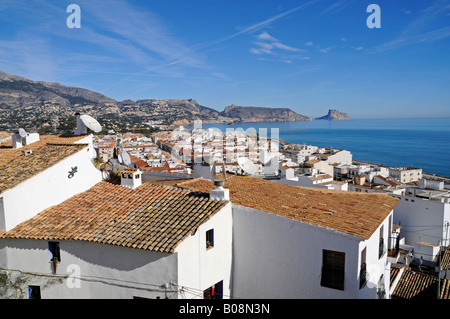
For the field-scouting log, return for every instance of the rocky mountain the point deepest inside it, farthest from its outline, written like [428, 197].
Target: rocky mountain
[261, 114]
[19, 92]
[334, 115]
[28, 103]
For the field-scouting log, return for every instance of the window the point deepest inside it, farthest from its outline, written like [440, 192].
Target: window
[53, 248]
[210, 239]
[363, 270]
[55, 256]
[333, 269]
[382, 248]
[34, 292]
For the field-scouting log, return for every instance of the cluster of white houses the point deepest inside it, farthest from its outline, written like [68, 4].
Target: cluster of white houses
[67, 233]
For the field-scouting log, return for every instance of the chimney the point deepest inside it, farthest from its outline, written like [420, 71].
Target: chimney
[131, 178]
[23, 138]
[219, 193]
[81, 128]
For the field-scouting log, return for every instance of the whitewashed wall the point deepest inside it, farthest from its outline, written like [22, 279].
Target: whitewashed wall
[48, 188]
[421, 220]
[117, 272]
[199, 268]
[106, 271]
[376, 266]
[276, 257]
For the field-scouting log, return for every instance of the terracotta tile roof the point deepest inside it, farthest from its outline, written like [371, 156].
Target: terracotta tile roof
[358, 214]
[417, 285]
[16, 167]
[150, 217]
[443, 258]
[395, 271]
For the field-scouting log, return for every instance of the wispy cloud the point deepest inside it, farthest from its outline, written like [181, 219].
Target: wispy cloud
[259, 25]
[268, 44]
[422, 29]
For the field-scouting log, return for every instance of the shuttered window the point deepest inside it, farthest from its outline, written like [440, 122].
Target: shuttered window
[333, 269]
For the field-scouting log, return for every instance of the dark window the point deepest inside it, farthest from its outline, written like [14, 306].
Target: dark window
[333, 269]
[210, 238]
[382, 248]
[53, 247]
[214, 292]
[34, 292]
[363, 270]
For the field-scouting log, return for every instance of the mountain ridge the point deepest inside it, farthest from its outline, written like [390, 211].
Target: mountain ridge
[22, 97]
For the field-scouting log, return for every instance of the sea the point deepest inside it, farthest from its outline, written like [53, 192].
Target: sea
[421, 143]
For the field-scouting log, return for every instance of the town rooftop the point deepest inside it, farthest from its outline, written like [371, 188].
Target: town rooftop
[357, 214]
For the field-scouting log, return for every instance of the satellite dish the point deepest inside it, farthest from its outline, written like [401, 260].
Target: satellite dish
[126, 158]
[106, 169]
[91, 123]
[119, 157]
[22, 132]
[247, 165]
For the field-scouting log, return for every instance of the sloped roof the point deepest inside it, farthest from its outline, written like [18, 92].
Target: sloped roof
[417, 285]
[150, 217]
[49, 150]
[357, 214]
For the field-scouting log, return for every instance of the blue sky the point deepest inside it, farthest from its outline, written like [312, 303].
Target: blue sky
[309, 56]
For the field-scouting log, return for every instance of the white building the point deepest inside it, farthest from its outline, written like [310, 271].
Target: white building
[406, 174]
[37, 175]
[298, 242]
[114, 242]
[424, 215]
[334, 156]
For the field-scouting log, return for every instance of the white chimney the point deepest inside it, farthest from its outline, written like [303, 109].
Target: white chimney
[81, 128]
[22, 138]
[131, 178]
[219, 193]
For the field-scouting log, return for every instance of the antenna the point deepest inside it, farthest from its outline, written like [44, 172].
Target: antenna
[224, 171]
[247, 165]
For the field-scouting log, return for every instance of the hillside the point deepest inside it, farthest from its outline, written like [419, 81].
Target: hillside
[51, 107]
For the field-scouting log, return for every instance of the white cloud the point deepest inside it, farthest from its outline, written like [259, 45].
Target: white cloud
[422, 29]
[280, 52]
[264, 45]
[309, 43]
[268, 43]
[265, 36]
[285, 47]
[325, 50]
